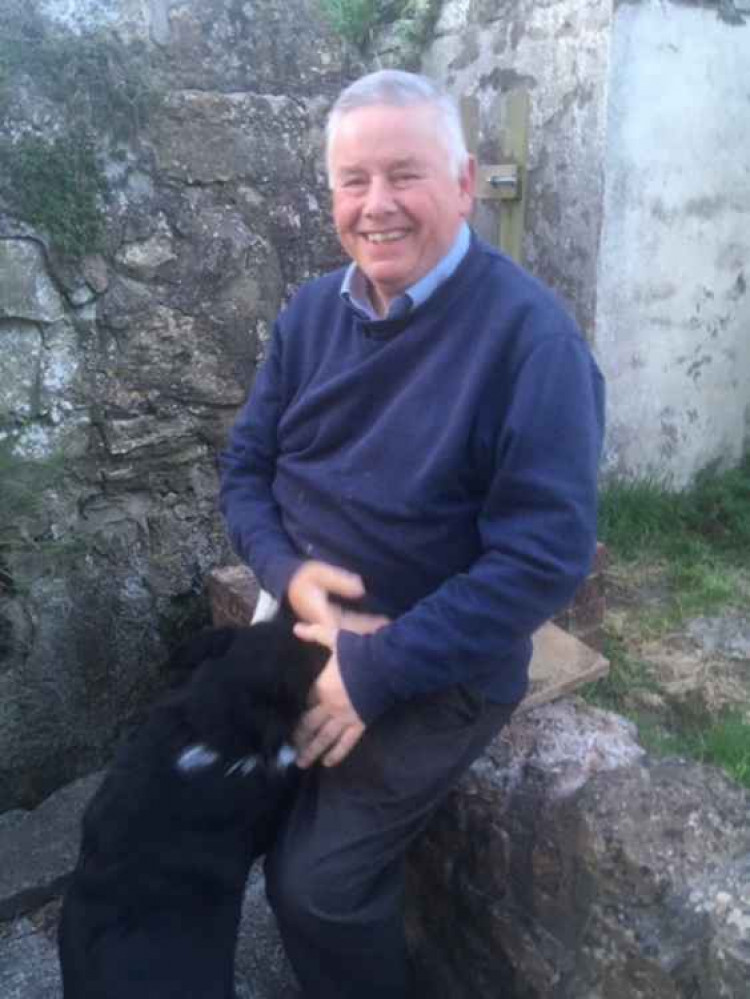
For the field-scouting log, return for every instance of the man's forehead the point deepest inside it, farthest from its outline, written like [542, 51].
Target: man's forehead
[387, 138]
[353, 164]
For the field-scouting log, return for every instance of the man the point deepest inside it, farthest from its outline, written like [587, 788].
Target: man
[415, 474]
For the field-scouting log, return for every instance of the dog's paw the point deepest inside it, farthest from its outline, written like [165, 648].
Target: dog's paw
[196, 757]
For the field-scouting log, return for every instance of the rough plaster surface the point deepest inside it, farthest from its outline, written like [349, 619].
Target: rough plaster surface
[673, 318]
[558, 51]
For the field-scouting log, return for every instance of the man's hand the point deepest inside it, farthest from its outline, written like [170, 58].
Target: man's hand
[332, 727]
[311, 587]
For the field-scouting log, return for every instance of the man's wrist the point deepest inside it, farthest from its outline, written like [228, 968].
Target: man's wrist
[365, 684]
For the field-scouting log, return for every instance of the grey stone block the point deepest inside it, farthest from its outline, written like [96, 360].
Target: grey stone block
[28, 963]
[39, 848]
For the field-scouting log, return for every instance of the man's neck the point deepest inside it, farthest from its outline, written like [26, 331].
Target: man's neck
[364, 296]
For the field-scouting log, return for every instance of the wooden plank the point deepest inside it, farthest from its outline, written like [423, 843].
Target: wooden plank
[515, 148]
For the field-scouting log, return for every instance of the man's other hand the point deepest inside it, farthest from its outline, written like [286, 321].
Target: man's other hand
[332, 727]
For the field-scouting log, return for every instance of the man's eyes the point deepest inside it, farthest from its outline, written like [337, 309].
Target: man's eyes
[400, 179]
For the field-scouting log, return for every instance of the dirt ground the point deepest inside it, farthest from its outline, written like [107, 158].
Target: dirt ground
[695, 666]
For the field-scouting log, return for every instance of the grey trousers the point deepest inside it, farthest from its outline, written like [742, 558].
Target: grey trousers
[335, 875]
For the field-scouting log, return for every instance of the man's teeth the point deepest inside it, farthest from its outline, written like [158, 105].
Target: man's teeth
[384, 237]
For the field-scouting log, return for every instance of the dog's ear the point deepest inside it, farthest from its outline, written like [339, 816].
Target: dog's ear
[213, 643]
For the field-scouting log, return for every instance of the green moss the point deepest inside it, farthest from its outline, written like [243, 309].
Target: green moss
[358, 20]
[57, 186]
[101, 89]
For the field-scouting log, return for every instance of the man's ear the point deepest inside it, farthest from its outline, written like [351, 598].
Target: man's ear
[467, 182]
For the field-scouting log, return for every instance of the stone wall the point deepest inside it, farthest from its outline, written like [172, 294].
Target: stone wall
[121, 368]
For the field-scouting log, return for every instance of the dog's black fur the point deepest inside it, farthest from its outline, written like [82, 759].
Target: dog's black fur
[153, 907]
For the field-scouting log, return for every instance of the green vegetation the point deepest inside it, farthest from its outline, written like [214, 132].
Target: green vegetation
[675, 556]
[700, 536]
[644, 518]
[100, 88]
[685, 729]
[57, 186]
[353, 20]
[357, 20]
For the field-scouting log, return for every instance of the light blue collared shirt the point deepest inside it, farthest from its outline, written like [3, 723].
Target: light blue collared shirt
[354, 286]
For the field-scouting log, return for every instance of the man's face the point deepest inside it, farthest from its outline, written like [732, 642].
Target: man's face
[397, 206]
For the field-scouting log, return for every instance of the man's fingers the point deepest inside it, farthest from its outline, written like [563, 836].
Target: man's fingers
[309, 724]
[341, 749]
[320, 633]
[339, 581]
[326, 737]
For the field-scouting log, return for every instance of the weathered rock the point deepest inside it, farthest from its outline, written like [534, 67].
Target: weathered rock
[28, 964]
[26, 290]
[20, 358]
[564, 865]
[728, 634]
[586, 873]
[121, 371]
[39, 849]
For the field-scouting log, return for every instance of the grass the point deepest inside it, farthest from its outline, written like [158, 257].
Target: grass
[700, 537]
[685, 730]
[680, 555]
[713, 518]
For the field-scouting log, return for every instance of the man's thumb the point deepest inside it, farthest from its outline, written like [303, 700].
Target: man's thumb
[341, 582]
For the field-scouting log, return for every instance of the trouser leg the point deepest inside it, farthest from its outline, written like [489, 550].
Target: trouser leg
[335, 874]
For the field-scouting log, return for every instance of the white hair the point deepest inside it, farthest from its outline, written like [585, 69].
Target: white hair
[396, 88]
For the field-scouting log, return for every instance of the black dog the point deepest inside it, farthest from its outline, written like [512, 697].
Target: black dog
[192, 799]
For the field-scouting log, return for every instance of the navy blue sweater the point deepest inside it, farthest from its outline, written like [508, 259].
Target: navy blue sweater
[449, 458]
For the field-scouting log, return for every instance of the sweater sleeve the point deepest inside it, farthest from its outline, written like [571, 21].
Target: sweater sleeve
[247, 469]
[538, 534]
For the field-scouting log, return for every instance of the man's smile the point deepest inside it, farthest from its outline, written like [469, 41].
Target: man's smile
[385, 237]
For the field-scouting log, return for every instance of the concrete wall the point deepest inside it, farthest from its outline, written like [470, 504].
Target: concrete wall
[673, 312]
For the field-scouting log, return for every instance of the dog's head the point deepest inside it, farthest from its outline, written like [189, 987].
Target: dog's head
[248, 690]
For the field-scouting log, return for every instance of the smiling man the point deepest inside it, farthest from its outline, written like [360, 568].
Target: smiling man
[414, 474]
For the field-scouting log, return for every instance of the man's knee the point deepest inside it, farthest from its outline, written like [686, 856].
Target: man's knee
[308, 893]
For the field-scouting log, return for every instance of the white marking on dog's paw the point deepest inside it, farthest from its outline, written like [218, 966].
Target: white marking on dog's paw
[197, 757]
[245, 765]
[286, 756]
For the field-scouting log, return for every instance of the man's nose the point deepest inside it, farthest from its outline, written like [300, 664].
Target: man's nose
[380, 199]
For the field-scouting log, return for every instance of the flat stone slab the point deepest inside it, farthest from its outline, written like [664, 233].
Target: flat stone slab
[559, 665]
[39, 848]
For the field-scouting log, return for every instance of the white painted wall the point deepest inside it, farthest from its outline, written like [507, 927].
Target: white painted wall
[673, 305]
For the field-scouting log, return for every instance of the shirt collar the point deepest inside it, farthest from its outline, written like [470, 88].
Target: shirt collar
[355, 291]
